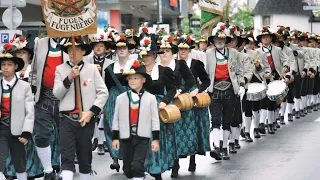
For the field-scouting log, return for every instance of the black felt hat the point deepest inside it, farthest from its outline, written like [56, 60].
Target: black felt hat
[138, 68]
[80, 41]
[7, 53]
[185, 41]
[265, 31]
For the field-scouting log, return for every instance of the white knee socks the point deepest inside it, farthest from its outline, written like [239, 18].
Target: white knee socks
[233, 134]
[271, 117]
[290, 108]
[263, 115]
[45, 158]
[216, 137]
[283, 108]
[247, 121]
[84, 176]
[102, 137]
[297, 104]
[256, 120]
[22, 176]
[95, 132]
[67, 175]
[2, 176]
[226, 134]
[304, 102]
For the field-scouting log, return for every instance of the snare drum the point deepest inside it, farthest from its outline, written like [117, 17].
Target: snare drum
[256, 91]
[277, 90]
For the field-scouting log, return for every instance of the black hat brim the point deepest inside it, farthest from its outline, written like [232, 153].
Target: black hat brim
[86, 47]
[155, 52]
[273, 36]
[211, 38]
[16, 60]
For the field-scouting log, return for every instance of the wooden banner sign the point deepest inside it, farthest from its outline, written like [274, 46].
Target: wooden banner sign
[65, 18]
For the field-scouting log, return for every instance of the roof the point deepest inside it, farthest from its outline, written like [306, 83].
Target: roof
[271, 7]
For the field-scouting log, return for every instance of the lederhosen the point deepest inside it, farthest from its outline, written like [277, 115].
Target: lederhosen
[223, 99]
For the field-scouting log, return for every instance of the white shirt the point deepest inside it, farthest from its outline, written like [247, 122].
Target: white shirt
[5, 83]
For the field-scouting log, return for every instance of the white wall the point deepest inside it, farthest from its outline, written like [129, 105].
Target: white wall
[293, 21]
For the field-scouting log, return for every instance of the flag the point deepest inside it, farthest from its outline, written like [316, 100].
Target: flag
[212, 12]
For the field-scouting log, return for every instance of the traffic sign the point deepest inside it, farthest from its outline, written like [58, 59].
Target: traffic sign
[311, 7]
[16, 3]
[12, 18]
[7, 35]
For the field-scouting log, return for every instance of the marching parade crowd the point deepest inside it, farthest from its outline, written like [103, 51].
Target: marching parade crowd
[149, 99]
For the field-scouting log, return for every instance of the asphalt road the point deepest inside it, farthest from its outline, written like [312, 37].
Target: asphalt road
[290, 154]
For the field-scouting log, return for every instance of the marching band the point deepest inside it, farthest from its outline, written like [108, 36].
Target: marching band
[205, 90]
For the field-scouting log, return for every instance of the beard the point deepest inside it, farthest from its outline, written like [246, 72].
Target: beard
[220, 45]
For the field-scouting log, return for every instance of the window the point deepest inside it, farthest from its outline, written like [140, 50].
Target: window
[266, 21]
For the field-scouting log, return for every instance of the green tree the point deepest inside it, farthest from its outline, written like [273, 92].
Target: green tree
[186, 29]
[241, 16]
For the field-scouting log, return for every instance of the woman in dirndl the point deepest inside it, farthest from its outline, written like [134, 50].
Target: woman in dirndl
[116, 84]
[163, 87]
[33, 167]
[185, 128]
[201, 115]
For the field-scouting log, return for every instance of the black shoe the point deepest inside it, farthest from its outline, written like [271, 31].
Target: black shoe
[248, 138]
[277, 124]
[242, 132]
[302, 113]
[221, 145]
[290, 117]
[50, 176]
[305, 111]
[270, 129]
[115, 165]
[216, 154]
[192, 167]
[236, 144]
[256, 133]
[225, 154]
[175, 169]
[262, 128]
[192, 164]
[282, 120]
[297, 115]
[232, 148]
[156, 176]
[105, 147]
[94, 144]
[274, 126]
[10, 178]
[100, 149]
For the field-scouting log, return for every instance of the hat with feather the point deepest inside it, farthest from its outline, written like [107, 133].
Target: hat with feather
[220, 31]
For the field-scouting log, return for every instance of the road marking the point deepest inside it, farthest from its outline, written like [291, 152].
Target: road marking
[317, 120]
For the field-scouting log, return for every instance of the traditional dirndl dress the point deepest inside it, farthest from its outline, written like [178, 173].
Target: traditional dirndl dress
[114, 92]
[201, 118]
[161, 161]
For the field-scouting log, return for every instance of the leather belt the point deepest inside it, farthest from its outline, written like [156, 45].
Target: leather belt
[75, 116]
[222, 85]
[48, 92]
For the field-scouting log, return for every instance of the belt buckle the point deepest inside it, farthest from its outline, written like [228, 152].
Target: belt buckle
[75, 116]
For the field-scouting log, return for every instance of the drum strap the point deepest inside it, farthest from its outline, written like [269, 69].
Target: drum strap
[116, 80]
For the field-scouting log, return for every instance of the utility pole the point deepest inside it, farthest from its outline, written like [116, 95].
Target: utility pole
[159, 19]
